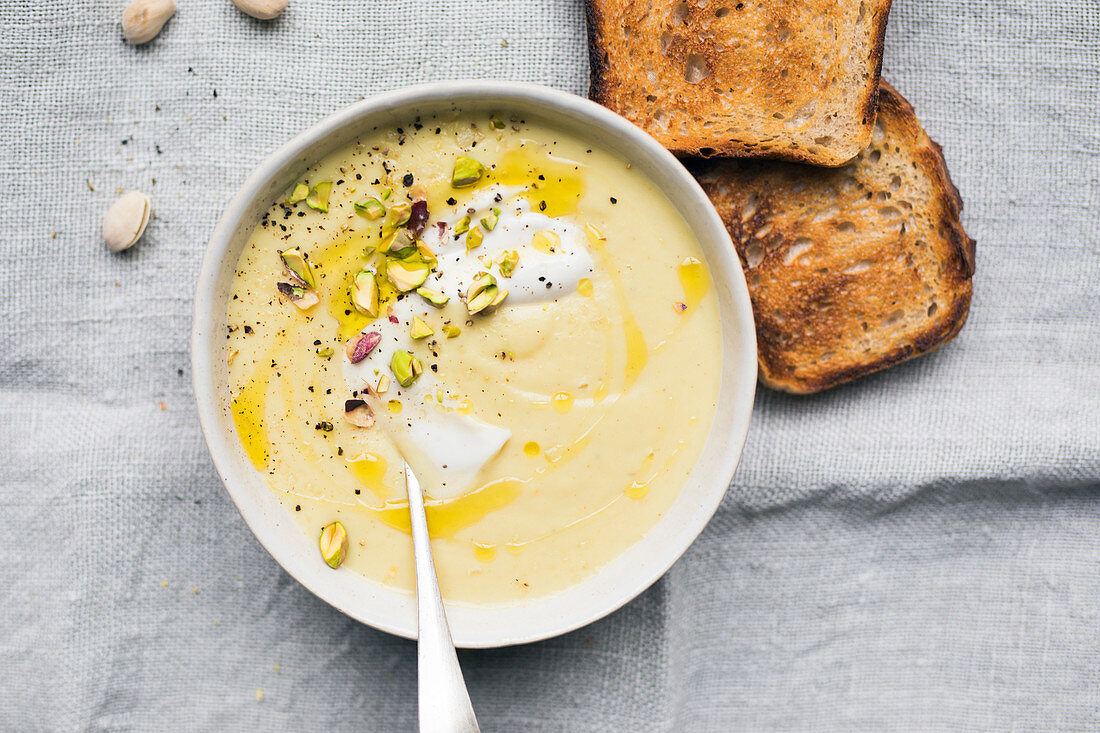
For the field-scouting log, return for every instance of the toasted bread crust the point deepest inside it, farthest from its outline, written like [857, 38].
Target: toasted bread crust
[828, 265]
[625, 71]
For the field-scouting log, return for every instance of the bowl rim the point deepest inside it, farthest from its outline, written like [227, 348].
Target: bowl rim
[208, 318]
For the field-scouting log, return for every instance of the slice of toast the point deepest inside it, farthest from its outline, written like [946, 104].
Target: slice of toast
[790, 80]
[850, 269]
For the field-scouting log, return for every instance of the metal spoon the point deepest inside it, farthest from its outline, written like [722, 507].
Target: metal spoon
[444, 703]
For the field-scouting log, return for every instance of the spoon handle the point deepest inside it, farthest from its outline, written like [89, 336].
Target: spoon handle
[444, 703]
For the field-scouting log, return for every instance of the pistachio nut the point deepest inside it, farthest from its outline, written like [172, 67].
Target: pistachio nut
[334, 544]
[298, 266]
[399, 243]
[452, 332]
[383, 384]
[126, 220]
[407, 276]
[426, 254]
[481, 293]
[435, 298]
[405, 367]
[489, 221]
[299, 193]
[143, 19]
[398, 214]
[303, 298]
[262, 9]
[360, 345]
[358, 413]
[371, 208]
[508, 261]
[326, 352]
[474, 238]
[318, 196]
[364, 293]
[420, 328]
[463, 225]
[467, 172]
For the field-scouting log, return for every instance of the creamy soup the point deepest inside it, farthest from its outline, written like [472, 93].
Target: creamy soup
[516, 312]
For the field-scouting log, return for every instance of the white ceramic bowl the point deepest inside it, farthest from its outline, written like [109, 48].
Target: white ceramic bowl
[389, 609]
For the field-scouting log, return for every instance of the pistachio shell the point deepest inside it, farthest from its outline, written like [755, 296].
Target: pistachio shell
[143, 19]
[126, 220]
[262, 9]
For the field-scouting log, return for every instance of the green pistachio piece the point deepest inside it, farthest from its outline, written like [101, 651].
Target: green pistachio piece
[490, 221]
[463, 225]
[399, 243]
[452, 332]
[508, 261]
[298, 194]
[334, 544]
[498, 298]
[474, 238]
[399, 214]
[407, 276]
[318, 196]
[386, 194]
[426, 254]
[370, 208]
[437, 299]
[420, 328]
[326, 352]
[466, 173]
[496, 122]
[298, 266]
[405, 367]
[364, 293]
[481, 293]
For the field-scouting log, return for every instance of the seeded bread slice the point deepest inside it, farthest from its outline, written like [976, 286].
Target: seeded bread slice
[790, 80]
[851, 269]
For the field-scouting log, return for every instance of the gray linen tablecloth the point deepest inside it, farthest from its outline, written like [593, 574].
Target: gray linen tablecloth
[916, 551]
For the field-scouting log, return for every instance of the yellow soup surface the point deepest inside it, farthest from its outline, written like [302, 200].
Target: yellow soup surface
[541, 341]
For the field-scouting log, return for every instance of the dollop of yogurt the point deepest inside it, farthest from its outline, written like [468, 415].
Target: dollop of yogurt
[446, 447]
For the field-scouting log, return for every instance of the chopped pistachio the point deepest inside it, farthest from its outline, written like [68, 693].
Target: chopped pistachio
[298, 194]
[481, 293]
[435, 298]
[489, 221]
[386, 194]
[399, 214]
[546, 241]
[474, 238]
[407, 276]
[467, 172]
[452, 331]
[496, 122]
[463, 225]
[400, 243]
[364, 293]
[358, 413]
[508, 261]
[426, 254]
[370, 208]
[318, 196]
[383, 384]
[486, 261]
[369, 250]
[334, 544]
[679, 306]
[326, 352]
[298, 266]
[405, 367]
[500, 296]
[420, 328]
[302, 298]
